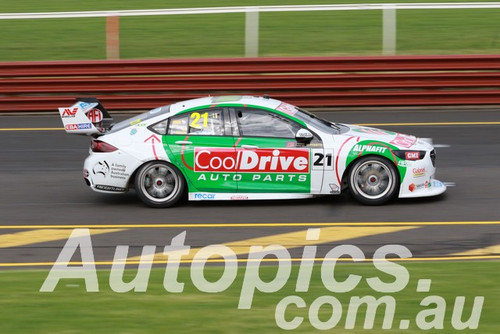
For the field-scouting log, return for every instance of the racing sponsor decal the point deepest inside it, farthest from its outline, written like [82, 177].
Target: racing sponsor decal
[101, 167]
[412, 155]
[335, 189]
[204, 196]
[239, 198]
[418, 172]
[69, 113]
[412, 187]
[84, 126]
[403, 140]
[81, 126]
[251, 161]
[95, 115]
[83, 105]
[287, 109]
[369, 148]
[374, 147]
[118, 171]
[109, 188]
[253, 177]
[228, 98]
[115, 171]
[403, 163]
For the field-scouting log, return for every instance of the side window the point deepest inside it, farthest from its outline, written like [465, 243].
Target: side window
[178, 125]
[160, 128]
[259, 123]
[203, 122]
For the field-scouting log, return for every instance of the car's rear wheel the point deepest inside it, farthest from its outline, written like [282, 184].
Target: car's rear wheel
[159, 184]
[373, 180]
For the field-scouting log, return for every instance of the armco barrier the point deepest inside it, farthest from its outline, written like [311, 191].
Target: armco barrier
[317, 81]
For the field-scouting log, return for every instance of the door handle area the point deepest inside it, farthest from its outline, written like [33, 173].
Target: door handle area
[183, 142]
[249, 146]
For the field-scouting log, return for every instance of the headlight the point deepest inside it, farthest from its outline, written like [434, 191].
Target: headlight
[433, 158]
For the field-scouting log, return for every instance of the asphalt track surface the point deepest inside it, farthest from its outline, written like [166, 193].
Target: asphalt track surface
[43, 198]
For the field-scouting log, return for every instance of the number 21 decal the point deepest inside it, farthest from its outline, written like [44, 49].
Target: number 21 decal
[196, 118]
[322, 159]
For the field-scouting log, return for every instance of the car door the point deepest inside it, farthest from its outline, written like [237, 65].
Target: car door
[203, 148]
[270, 158]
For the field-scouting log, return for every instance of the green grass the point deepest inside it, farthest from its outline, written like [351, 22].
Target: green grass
[25, 6]
[69, 309]
[454, 31]
[15, 6]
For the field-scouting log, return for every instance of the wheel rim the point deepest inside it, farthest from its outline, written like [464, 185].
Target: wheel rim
[373, 179]
[159, 183]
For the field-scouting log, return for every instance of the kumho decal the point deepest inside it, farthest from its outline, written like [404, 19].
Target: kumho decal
[251, 161]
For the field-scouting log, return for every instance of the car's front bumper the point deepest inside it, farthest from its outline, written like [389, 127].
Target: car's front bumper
[430, 188]
[419, 178]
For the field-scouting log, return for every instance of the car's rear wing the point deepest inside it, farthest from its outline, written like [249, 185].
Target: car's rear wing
[86, 117]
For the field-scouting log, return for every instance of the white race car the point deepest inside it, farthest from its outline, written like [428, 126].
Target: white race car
[245, 148]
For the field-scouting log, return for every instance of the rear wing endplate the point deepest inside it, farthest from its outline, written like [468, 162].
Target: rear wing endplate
[86, 117]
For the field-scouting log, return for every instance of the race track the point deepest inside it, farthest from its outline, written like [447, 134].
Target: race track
[43, 197]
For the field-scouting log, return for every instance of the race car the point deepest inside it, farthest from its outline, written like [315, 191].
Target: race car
[247, 148]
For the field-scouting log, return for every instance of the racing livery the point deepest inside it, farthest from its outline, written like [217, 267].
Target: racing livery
[244, 148]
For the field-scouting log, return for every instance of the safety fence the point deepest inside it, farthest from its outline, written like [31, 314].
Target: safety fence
[309, 82]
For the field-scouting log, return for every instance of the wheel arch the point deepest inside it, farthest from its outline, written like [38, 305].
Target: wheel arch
[131, 180]
[347, 170]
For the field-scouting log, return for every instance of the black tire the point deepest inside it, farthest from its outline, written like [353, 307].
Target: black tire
[159, 184]
[373, 180]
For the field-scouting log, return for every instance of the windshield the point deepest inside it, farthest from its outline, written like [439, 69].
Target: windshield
[140, 118]
[320, 123]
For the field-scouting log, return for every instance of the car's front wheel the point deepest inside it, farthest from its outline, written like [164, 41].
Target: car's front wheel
[159, 184]
[373, 180]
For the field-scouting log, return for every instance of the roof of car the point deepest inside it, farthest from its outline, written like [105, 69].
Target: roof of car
[262, 101]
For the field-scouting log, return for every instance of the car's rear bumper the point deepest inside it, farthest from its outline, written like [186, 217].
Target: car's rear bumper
[109, 172]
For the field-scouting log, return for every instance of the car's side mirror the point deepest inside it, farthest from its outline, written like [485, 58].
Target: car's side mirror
[304, 136]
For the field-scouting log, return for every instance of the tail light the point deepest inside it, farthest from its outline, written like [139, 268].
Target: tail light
[100, 146]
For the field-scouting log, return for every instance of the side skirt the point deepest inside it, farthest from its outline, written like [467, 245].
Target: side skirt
[204, 196]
